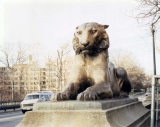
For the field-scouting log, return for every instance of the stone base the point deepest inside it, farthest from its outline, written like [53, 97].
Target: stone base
[127, 112]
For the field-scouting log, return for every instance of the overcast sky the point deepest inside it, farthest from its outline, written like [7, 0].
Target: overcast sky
[52, 22]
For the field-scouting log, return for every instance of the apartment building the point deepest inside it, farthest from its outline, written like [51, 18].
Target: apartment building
[5, 84]
[43, 79]
[28, 77]
[55, 79]
[51, 76]
[4, 78]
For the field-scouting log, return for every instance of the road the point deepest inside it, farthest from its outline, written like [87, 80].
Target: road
[12, 118]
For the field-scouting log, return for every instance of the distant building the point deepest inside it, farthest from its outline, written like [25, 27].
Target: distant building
[5, 84]
[4, 78]
[43, 79]
[66, 70]
[55, 80]
[25, 78]
[51, 78]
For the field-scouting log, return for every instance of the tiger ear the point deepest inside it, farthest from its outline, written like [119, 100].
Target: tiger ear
[105, 26]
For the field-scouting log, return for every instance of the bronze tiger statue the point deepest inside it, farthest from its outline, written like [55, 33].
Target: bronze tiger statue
[92, 76]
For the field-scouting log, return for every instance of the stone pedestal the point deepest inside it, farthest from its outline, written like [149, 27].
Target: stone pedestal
[126, 112]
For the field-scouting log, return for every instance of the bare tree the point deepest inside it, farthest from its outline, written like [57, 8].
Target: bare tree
[4, 93]
[147, 82]
[11, 55]
[149, 14]
[126, 60]
[59, 64]
[62, 54]
[49, 70]
[123, 59]
[149, 11]
[36, 51]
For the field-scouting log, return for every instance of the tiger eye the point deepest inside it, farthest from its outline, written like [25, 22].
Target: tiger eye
[93, 31]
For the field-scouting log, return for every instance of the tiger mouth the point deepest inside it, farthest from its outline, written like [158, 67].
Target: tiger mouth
[90, 49]
[86, 51]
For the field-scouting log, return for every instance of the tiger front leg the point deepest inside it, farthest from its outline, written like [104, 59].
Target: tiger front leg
[96, 92]
[71, 91]
[100, 88]
[68, 93]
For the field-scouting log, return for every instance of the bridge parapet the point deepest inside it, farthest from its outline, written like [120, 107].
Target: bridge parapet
[124, 112]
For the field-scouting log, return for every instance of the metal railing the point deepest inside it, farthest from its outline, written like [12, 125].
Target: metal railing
[4, 105]
[155, 102]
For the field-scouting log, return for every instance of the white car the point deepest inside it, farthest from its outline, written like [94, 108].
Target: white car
[148, 93]
[32, 98]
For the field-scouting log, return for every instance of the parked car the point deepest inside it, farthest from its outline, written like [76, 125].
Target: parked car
[148, 93]
[32, 98]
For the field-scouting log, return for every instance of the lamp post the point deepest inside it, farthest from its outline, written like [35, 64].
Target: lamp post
[153, 45]
[153, 80]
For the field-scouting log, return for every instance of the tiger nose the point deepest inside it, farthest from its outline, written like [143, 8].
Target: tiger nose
[85, 44]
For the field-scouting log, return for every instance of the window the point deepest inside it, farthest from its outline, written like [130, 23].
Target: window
[43, 86]
[16, 88]
[15, 83]
[22, 88]
[9, 88]
[20, 77]
[7, 78]
[22, 83]
[46, 97]
[30, 97]
[9, 83]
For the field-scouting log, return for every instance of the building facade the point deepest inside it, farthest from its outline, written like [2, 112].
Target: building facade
[21, 79]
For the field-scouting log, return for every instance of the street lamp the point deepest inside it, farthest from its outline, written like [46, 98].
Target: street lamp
[153, 45]
[153, 83]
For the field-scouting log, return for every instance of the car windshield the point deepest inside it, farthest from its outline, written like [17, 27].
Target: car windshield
[30, 97]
